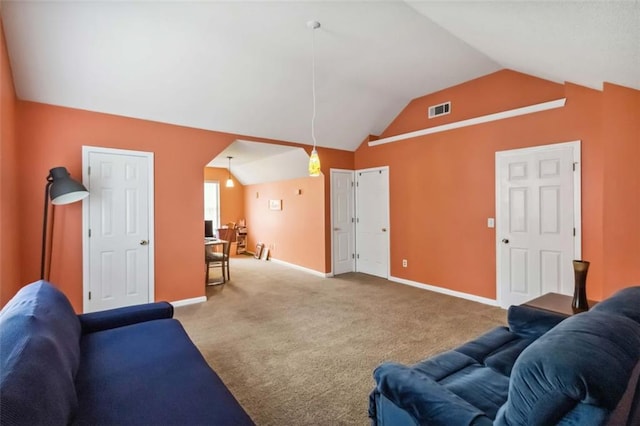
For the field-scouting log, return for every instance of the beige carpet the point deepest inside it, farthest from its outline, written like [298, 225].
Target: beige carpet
[296, 349]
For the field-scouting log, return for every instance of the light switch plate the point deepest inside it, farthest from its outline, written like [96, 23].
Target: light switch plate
[491, 223]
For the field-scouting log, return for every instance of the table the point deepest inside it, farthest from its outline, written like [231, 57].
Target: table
[214, 242]
[554, 302]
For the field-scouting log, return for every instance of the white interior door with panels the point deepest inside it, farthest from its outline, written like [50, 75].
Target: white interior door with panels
[372, 221]
[538, 221]
[118, 247]
[342, 221]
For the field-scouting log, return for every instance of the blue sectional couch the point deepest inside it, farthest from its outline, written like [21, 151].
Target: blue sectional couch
[128, 366]
[543, 369]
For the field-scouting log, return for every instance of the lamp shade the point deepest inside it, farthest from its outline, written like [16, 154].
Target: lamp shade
[229, 180]
[64, 189]
[314, 164]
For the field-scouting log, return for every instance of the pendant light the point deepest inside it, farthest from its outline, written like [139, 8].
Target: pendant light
[229, 180]
[314, 160]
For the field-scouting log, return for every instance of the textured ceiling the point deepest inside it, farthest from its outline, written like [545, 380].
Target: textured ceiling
[245, 67]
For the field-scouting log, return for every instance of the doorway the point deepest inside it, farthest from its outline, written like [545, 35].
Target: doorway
[118, 239]
[538, 219]
[360, 221]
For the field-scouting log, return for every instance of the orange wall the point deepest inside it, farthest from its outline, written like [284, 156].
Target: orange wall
[329, 159]
[231, 199]
[442, 186]
[295, 234]
[9, 213]
[621, 142]
[50, 136]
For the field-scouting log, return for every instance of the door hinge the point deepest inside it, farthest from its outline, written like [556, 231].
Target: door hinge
[89, 232]
[89, 295]
[353, 220]
[358, 220]
[358, 256]
[574, 232]
[574, 166]
[352, 184]
[89, 170]
[353, 256]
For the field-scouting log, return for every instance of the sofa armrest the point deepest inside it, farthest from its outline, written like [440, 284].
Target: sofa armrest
[119, 317]
[424, 399]
[532, 322]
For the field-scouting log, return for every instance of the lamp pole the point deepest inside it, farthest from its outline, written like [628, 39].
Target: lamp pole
[44, 224]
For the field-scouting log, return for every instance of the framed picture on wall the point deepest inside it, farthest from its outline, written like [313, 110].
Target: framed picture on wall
[275, 204]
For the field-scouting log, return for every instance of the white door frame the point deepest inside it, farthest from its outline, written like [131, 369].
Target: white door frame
[86, 150]
[353, 224]
[387, 207]
[577, 202]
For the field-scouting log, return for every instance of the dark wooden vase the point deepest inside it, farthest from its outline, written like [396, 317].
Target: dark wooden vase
[579, 302]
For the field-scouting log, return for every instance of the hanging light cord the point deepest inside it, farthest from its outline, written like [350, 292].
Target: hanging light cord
[313, 81]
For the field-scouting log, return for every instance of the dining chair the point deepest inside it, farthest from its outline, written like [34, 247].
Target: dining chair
[220, 259]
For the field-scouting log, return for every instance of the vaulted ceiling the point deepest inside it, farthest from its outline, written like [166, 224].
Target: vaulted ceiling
[245, 67]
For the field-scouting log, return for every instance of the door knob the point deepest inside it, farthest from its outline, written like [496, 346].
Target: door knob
[384, 229]
[506, 241]
[144, 242]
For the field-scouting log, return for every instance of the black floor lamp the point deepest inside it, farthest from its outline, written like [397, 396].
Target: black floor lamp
[63, 190]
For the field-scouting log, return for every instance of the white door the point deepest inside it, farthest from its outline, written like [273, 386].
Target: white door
[538, 221]
[118, 240]
[342, 221]
[372, 221]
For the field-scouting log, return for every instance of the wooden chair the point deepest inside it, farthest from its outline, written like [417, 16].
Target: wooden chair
[220, 259]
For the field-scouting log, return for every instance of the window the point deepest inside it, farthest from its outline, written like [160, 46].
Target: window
[212, 202]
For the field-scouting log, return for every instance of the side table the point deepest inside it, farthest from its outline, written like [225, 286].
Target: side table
[554, 302]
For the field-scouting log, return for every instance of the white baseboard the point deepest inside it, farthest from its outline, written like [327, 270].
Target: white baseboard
[446, 291]
[192, 301]
[300, 268]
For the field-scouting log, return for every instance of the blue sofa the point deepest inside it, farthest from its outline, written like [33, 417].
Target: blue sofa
[543, 369]
[127, 366]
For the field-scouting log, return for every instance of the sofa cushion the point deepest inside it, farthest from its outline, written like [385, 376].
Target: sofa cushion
[426, 401]
[39, 357]
[625, 302]
[531, 322]
[580, 368]
[497, 349]
[150, 373]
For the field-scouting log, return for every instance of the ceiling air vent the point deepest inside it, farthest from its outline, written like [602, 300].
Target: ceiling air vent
[438, 110]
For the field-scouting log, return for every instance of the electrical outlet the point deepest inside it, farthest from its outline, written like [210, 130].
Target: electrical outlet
[404, 263]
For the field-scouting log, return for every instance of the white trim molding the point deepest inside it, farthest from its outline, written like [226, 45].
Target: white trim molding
[192, 301]
[301, 268]
[446, 291]
[558, 103]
